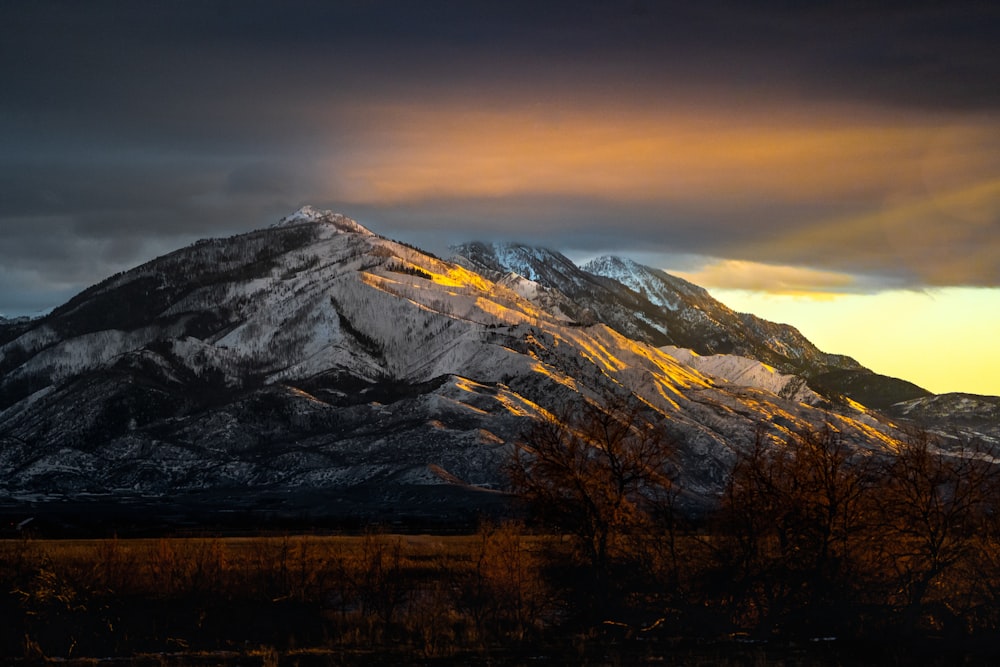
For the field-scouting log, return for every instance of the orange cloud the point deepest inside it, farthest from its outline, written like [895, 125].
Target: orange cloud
[411, 153]
[913, 195]
[947, 237]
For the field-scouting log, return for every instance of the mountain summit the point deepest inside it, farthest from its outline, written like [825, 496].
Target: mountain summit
[317, 366]
[309, 215]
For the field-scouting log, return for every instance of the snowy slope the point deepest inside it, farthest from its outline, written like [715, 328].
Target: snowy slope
[748, 373]
[700, 322]
[660, 288]
[649, 305]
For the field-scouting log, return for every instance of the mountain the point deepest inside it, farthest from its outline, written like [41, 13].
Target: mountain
[967, 416]
[317, 367]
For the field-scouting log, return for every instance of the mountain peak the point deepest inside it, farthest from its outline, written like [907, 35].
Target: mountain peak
[503, 257]
[310, 215]
[639, 276]
[613, 261]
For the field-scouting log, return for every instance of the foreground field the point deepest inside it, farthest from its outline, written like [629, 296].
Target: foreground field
[499, 596]
[429, 594]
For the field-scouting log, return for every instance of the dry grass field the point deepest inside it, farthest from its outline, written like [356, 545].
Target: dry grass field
[503, 595]
[426, 594]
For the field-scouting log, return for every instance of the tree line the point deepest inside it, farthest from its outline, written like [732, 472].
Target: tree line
[812, 537]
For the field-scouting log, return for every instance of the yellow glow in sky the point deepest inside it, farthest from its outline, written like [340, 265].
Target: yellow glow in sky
[736, 274]
[408, 153]
[944, 340]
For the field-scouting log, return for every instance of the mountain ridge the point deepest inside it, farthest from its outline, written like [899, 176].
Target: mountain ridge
[316, 356]
[655, 307]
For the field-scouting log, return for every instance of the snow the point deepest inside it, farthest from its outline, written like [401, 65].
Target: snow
[746, 372]
[308, 215]
[661, 288]
[520, 259]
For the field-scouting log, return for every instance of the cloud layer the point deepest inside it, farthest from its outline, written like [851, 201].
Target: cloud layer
[854, 144]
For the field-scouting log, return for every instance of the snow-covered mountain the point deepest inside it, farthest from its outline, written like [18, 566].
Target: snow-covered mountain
[317, 359]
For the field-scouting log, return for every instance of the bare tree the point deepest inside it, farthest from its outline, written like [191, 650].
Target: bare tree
[794, 517]
[935, 506]
[596, 474]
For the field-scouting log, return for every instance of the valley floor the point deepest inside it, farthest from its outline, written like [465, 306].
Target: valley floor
[498, 596]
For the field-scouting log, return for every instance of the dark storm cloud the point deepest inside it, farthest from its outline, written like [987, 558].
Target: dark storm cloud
[260, 178]
[157, 58]
[128, 128]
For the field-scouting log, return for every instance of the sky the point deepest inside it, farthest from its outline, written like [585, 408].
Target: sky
[835, 166]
